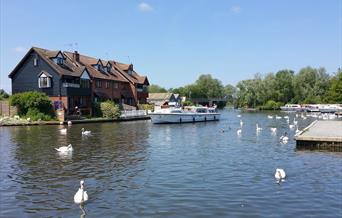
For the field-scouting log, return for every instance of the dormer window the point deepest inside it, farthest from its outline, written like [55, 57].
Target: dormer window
[109, 67]
[60, 61]
[44, 80]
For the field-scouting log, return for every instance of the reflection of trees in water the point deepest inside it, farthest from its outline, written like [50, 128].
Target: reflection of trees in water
[111, 158]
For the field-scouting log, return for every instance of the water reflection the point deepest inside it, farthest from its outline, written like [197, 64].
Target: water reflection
[137, 169]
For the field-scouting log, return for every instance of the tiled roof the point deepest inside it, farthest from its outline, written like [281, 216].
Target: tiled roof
[159, 96]
[71, 67]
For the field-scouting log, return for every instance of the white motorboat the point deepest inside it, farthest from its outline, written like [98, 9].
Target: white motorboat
[177, 115]
[292, 108]
[330, 108]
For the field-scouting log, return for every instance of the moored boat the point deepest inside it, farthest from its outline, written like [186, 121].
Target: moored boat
[177, 115]
[292, 108]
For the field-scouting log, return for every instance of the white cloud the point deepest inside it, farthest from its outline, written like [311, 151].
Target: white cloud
[235, 9]
[144, 7]
[20, 49]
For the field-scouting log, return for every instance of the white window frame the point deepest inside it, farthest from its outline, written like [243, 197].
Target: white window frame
[41, 79]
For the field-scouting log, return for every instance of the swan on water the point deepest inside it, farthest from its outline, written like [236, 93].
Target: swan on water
[295, 122]
[273, 129]
[284, 138]
[278, 117]
[258, 128]
[65, 148]
[86, 132]
[63, 131]
[239, 115]
[69, 123]
[280, 174]
[81, 196]
[291, 126]
[239, 131]
[270, 117]
[241, 123]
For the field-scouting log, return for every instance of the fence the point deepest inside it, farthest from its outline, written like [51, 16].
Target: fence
[134, 113]
[6, 109]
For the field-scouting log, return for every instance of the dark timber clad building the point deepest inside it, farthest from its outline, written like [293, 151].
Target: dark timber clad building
[71, 79]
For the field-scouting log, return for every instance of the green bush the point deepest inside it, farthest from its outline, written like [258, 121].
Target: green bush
[3, 94]
[109, 109]
[188, 103]
[146, 107]
[271, 105]
[35, 104]
[35, 115]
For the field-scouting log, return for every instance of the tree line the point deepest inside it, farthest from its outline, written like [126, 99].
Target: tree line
[268, 91]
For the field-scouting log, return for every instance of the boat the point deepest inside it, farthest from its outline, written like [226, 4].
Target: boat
[312, 108]
[292, 108]
[330, 108]
[188, 115]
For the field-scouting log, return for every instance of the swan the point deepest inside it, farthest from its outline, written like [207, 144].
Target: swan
[297, 131]
[295, 122]
[63, 131]
[239, 115]
[65, 148]
[273, 129]
[81, 196]
[278, 117]
[291, 126]
[286, 117]
[258, 128]
[69, 123]
[280, 174]
[61, 123]
[86, 132]
[270, 117]
[241, 123]
[239, 131]
[284, 138]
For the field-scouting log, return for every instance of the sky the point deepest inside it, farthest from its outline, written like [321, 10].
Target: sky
[173, 42]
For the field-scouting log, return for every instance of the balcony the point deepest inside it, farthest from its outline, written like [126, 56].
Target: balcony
[71, 85]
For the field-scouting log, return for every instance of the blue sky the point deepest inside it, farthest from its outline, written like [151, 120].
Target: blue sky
[173, 42]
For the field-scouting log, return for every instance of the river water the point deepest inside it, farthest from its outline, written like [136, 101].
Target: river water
[137, 169]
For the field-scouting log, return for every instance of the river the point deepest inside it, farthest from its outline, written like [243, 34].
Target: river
[137, 169]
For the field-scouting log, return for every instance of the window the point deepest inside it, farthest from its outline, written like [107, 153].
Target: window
[44, 81]
[109, 67]
[60, 61]
[35, 62]
[115, 85]
[98, 83]
[107, 84]
[84, 83]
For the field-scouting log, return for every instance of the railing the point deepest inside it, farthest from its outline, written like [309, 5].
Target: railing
[134, 113]
[72, 85]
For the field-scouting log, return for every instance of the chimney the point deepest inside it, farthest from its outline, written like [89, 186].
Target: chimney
[76, 56]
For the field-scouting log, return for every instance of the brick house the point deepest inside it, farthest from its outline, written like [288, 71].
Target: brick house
[71, 79]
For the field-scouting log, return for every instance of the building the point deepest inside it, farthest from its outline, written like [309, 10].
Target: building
[71, 79]
[162, 99]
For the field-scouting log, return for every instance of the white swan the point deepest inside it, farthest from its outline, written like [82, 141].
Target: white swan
[63, 131]
[81, 196]
[69, 123]
[286, 117]
[270, 117]
[239, 115]
[68, 148]
[284, 138]
[86, 132]
[280, 174]
[273, 129]
[241, 123]
[297, 131]
[295, 122]
[278, 117]
[291, 126]
[239, 131]
[258, 129]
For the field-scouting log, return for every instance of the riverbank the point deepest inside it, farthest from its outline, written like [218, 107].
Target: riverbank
[9, 121]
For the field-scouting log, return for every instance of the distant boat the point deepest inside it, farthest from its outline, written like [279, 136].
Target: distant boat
[177, 115]
[330, 108]
[292, 108]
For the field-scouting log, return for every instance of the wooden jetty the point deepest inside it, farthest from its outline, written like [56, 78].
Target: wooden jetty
[321, 135]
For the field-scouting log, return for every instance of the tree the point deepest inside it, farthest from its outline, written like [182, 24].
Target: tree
[208, 87]
[3, 94]
[230, 94]
[334, 93]
[156, 89]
